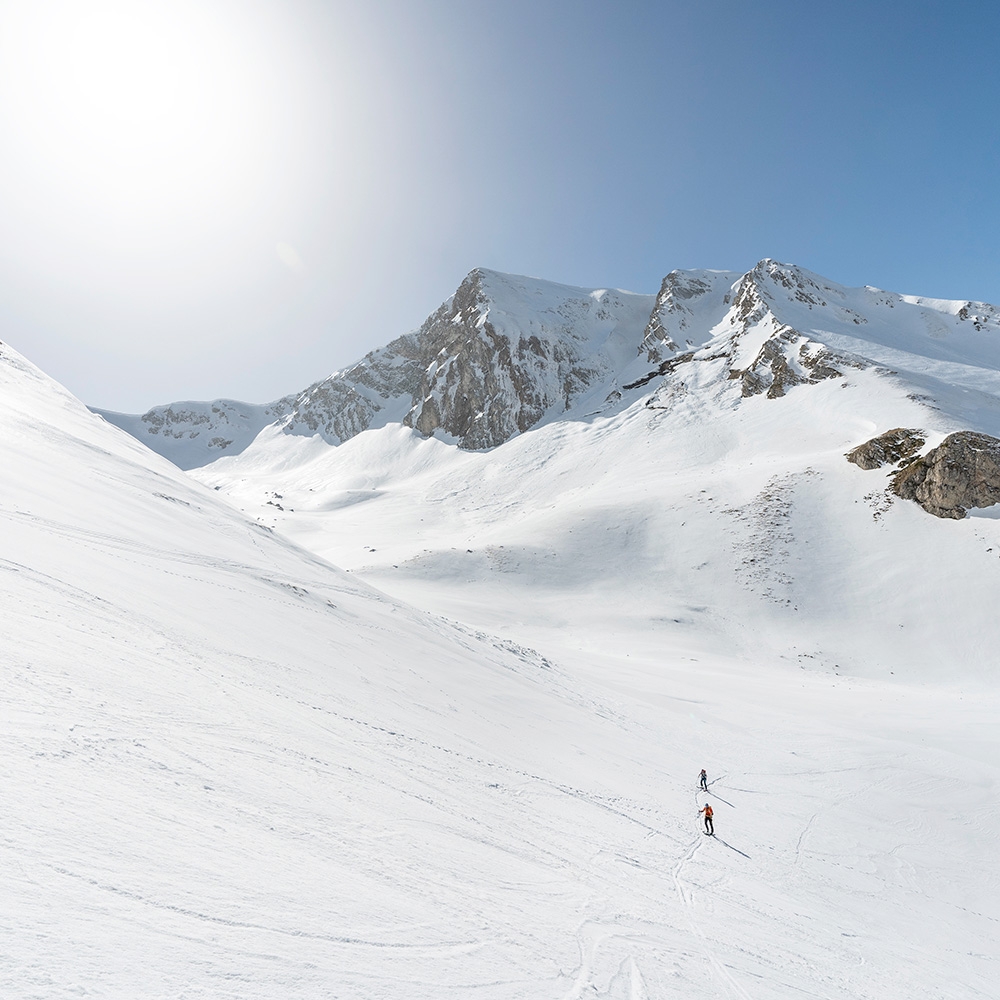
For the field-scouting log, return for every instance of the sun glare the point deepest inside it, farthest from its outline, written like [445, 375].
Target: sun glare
[130, 113]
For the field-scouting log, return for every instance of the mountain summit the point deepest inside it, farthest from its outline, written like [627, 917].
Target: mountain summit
[507, 353]
[496, 358]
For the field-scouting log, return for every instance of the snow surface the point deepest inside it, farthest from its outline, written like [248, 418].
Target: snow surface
[233, 770]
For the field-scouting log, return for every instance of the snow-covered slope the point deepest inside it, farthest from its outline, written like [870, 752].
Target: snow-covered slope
[236, 771]
[714, 479]
[694, 511]
[231, 771]
[701, 545]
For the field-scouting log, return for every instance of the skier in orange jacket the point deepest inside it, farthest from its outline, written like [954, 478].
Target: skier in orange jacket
[709, 825]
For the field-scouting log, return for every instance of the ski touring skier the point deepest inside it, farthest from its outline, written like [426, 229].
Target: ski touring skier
[709, 825]
[703, 780]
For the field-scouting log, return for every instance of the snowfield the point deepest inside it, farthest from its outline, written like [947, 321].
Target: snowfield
[464, 764]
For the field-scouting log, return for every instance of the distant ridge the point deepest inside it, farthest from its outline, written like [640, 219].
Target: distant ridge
[506, 353]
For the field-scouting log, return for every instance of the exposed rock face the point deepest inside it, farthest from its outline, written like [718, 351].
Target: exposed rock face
[484, 387]
[891, 448]
[348, 402]
[488, 364]
[746, 318]
[962, 472]
[770, 355]
[684, 311]
[788, 359]
[505, 353]
[982, 314]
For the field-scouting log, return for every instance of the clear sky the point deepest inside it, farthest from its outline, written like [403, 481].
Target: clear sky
[205, 198]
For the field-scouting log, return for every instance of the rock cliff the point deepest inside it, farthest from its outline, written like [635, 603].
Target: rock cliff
[961, 472]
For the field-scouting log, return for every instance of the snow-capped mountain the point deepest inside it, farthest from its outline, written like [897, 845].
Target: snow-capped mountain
[784, 326]
[505, 354]
[496, 358]
[710, 449]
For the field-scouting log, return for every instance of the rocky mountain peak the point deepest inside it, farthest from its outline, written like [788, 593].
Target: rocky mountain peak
[505, 353]
[770, 285]
[684, 304]
[495, 358]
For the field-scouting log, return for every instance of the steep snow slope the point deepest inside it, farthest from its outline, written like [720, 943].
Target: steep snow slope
[232, 772]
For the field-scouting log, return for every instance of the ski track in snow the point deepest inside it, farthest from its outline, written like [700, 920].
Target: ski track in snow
[687, 899]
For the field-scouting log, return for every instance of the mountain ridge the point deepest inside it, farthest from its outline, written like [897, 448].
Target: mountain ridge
[506, 353]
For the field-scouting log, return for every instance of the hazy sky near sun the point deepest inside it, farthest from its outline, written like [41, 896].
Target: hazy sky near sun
[208, 198]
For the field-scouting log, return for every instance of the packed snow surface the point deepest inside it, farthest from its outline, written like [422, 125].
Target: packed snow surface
[234, 770]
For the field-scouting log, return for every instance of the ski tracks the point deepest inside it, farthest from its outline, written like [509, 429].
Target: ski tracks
[591, 936]
[686, 897]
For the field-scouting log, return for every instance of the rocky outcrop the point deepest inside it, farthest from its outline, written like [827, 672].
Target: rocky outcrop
[788, 359]
[192, 434]
[961, 472]
[768, 353]
[687, 304]
[891, 448]
[350, 401]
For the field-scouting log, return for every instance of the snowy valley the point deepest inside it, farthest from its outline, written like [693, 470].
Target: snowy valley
[403, 687]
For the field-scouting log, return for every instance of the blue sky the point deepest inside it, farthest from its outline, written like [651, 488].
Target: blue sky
[235, 198]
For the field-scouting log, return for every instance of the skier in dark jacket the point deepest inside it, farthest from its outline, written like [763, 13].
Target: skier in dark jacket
[709, 825]
[703, 780]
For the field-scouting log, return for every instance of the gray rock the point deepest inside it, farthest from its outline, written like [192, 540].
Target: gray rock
[962, 472]
[785, 360]
[891, 448]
